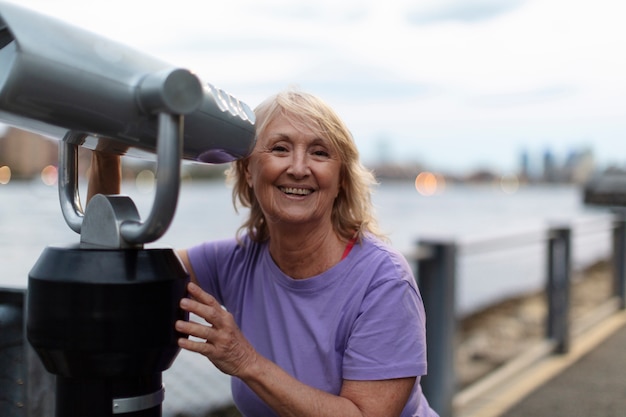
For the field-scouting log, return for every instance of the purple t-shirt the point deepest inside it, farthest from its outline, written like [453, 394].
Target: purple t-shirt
[363, 319]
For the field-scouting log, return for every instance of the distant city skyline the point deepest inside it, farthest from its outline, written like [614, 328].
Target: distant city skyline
[455, 84]
[27, 155]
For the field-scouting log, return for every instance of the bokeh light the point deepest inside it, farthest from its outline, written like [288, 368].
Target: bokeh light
[509, 184]
[427, 183]
[5, 175]
[145, 181]
[49, 175]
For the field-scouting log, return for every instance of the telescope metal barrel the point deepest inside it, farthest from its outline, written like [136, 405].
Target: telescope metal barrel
[70, 84]
[110, 92]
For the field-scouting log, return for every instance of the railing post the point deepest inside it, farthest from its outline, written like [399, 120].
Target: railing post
[619, 261]
[436, 276]
[558, 286]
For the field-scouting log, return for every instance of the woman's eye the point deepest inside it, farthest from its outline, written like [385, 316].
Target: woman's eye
[279, 148]
[321, 153]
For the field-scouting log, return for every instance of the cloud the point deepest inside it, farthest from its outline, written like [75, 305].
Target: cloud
[359, 81]
[320, 11]
[466, 11]
[523, 98]
[343, 83]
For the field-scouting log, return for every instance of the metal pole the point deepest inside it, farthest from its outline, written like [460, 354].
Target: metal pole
[436, 275]
[619, 261]
[558, 287]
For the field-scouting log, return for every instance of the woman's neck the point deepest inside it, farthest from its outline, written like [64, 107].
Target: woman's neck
[306, 253]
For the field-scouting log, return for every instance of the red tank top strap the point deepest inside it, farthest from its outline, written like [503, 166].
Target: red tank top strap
[349, 246]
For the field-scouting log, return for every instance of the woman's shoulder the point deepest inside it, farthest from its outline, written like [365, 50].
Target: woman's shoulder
[225, 244]
[212, 246]
[382, 260]
[381, 250]
[223, 249]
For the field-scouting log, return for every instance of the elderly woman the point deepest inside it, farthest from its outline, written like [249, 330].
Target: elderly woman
[322, 317]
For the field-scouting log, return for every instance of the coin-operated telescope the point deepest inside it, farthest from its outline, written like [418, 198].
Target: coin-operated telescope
[101, 313]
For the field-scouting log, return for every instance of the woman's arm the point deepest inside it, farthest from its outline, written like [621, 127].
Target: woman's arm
[228, 349]
[289, 397]
[184, 258]
[105, 174]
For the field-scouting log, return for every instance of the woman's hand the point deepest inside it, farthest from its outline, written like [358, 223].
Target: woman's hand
[222, 341]
[224, 344]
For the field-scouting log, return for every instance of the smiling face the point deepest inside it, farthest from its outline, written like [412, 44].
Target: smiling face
[295, 174]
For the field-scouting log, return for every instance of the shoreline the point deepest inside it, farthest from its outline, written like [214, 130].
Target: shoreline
[490, 337]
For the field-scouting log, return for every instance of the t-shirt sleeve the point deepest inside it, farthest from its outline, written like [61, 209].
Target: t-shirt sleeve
[388, 338]
[204, 261]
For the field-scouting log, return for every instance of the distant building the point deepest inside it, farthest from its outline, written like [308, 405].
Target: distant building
[524, 172]
[384, 151]
[397, 171]
[580, 166]
[26, 153]
[549, 167]
[481, 176]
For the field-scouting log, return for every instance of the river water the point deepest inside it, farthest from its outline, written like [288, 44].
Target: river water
[31, 219]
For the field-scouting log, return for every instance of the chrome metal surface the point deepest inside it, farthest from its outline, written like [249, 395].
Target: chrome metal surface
[109, 91]
[69, 195]
[143, 402]
[169, 150]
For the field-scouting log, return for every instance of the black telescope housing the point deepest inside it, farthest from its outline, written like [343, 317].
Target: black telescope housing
[101, 313]
[103, 322]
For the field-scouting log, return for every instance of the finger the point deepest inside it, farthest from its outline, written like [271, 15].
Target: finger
[210, 314]
[203, 304]
[200, 295]
[195, 329]
[195, 346]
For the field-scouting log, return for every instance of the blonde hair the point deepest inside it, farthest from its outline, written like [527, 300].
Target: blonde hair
[352, 210]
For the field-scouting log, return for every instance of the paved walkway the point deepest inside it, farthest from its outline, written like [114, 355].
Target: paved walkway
[589, 381]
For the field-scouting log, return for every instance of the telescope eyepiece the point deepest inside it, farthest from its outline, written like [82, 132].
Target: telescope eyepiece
[175, 91]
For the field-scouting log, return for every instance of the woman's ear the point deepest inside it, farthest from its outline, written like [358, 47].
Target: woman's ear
[342, 181]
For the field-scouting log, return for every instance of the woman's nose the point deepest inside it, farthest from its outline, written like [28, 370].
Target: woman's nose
[299, 166]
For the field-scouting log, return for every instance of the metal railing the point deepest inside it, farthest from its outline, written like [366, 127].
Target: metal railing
[436, 269]
[25, 382]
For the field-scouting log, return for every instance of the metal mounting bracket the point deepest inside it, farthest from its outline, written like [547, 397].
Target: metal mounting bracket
[113, 221]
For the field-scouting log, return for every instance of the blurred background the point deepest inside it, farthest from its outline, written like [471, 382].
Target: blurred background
[480, 118]
[452, 85]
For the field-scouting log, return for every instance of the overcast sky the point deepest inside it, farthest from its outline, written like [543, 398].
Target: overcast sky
[455, 84]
